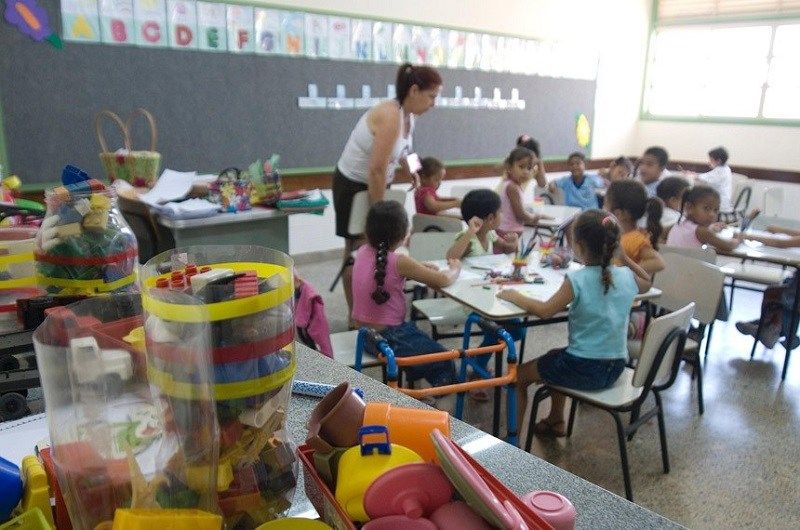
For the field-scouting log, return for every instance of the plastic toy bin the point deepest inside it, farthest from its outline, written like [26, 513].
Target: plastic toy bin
[245, 296]
[332, 512]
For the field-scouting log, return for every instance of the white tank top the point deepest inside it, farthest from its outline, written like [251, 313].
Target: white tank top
[354, 162]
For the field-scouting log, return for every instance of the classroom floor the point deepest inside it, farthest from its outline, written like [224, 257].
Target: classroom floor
[735, 466]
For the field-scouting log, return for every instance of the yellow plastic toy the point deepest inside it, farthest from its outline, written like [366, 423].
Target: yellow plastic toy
[129, 519]
[359, 466]
[196, 476]
[294, 523]
[136, 339]
[30, 520]
[37, 490]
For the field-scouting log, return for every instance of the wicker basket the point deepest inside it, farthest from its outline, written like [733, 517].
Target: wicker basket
[139, 168]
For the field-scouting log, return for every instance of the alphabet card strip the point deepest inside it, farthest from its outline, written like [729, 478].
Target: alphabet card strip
[212, 30]
[267, 31]
[182, 21]
[116, 21]
[80, 20]
[150, 22]
[240, 29]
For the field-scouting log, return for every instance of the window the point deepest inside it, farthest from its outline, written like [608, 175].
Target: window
[722, 71]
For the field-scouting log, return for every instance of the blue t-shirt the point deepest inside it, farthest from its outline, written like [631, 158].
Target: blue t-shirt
[583, 196]
[598, 323]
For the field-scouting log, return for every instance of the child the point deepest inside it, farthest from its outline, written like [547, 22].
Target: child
[579, 189]
[670, 191]
[694, 229]
[529, 142]
[379, 277]
[619, 169]
[599, 297]
[628, 201]
[426, 199]
[482, 211]
[776, 309]
[517, 173]
[651, 168]
[720, 177]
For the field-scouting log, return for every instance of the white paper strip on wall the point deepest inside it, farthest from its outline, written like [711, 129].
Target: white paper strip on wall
[420, 44]
[488, 52]
[116, 21]
[182, 23]
[401, 43]
[500, 63]
[212, 27]
[472, 51]
[80, 20]
[150, 22]
[267, 31]
[382, 42]
[361, 39]
[339, 38]
[240, 29]
[436, 47]
[292, 23]
[456, 44]
[316, 35]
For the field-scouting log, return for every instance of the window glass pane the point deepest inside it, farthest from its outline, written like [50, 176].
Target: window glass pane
[785, 72]
[782, 104]
[787, 41]
[731, 101]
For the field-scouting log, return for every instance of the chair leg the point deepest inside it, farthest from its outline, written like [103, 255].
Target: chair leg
[498, 368]
[699, 371]
[634, 416]
[758, 334]
[538, 396]
[662, 433]
[571, 422]
[337, 278]
[524, 328]
[623, 454]
[708, 340]
[733, 288]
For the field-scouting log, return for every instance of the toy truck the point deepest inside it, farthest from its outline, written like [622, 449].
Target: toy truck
[93, 365]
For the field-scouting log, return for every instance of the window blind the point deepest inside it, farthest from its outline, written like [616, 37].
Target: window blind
[671, 11]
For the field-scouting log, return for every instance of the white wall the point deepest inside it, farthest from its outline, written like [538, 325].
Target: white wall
[617, 28]
[749, 145]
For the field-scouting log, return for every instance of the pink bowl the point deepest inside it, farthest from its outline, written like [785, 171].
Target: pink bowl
[553, 508]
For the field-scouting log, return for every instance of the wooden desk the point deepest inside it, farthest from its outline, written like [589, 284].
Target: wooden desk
[259, 226]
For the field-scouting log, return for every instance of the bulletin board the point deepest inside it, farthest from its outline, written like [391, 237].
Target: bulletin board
[220, 110]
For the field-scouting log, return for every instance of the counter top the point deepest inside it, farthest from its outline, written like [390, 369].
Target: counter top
[254, 214]
[520, 471]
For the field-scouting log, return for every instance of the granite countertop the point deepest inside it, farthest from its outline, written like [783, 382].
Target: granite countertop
[520, 471]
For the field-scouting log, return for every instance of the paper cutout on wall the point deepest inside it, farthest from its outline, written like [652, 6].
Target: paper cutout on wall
[32, 20]
[382, 42]
[292, 32]
[420, 44]
[182, 22]
[150, 22]
[116, 21]
[488, 52]
[339, 38]
[436, 44]
[212, 30]
[240, 29]
[361, 40]
[456, 44]
[268, 31]
[401, 43]
[583, 132]
[472, 51]
[80, 21]
[316, 35]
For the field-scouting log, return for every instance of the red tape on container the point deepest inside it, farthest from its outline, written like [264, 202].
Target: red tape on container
[226, 354]
[132, 252]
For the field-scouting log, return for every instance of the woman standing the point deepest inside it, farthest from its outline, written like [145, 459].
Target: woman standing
[380, 142]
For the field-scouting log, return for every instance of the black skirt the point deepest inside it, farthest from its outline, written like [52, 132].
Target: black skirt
[344, 190]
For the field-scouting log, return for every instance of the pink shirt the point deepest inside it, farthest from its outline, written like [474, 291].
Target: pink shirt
[365, 309]
[509, 221]
[419, 199]
[684, 234]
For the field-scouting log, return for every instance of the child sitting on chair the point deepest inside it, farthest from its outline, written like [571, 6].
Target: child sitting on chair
[426, 199]
[599, 298]
[379, 277]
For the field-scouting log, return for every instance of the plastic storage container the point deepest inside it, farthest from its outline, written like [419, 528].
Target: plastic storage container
[17, 268]
[246, 294]
[118, 441]
[84, 245]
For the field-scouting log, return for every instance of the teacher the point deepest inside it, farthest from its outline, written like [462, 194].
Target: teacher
[379, 143]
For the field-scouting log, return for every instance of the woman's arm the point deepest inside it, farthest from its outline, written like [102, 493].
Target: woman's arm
[441, 204]
[414, 270]
[557, 303]
[777, 242]
[707, 236]
[515, 197]
[459, 248]
[780, 230]
[651, 261]
[385, 128]
[643, 280]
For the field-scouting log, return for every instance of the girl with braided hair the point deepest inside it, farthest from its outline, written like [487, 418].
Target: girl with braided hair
[599, 297]
[379, 276]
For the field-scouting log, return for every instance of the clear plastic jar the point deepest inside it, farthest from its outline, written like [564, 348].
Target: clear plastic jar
[84, 245]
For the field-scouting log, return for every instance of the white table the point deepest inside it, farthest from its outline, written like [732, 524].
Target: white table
[560, 214]
[259, 226]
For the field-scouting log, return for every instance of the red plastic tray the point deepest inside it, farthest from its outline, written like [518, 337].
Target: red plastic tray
[332, 512]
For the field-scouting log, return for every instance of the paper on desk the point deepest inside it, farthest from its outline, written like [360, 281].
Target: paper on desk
[465, 274]
[490, 261]
[191, 209]
[170, 186]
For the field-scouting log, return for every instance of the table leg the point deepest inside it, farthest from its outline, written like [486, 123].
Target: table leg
[498, 368]
[793, 327]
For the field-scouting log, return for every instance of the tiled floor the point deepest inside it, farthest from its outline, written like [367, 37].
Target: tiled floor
[737, 466]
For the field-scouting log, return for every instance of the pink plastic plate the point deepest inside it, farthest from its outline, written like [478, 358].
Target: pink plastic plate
[414, 490]
[399, 522]
[472, 487]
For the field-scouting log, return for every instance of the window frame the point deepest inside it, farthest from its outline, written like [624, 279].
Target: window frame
[732, 22]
